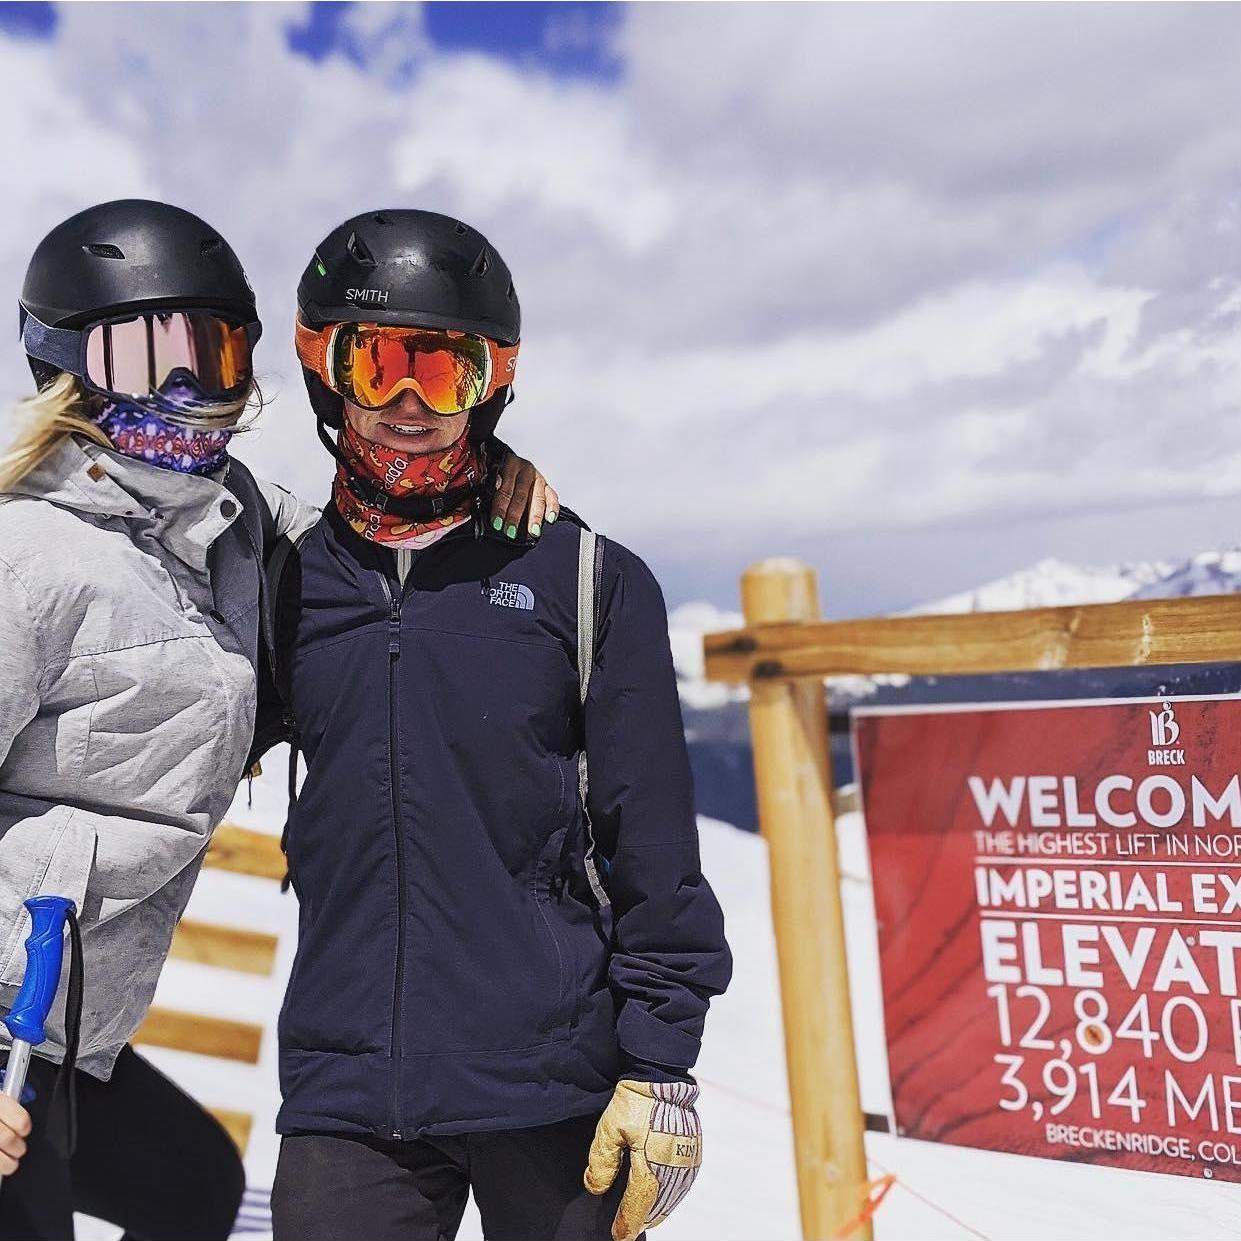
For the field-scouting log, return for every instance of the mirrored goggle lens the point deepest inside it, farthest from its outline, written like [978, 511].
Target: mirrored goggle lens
[373, 365]
[134, 357]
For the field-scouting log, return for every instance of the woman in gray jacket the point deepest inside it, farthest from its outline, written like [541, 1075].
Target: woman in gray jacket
[130, 555]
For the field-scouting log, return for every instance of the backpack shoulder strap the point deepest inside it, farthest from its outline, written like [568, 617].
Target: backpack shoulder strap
[277, 563]
[589, 576]
[261, 527]
[589, 550]
[260, 523]
[282, 676]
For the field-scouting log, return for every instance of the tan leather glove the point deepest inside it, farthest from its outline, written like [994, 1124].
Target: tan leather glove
[658, 1123]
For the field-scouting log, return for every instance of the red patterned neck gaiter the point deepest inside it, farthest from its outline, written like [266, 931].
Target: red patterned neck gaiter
[400, 474]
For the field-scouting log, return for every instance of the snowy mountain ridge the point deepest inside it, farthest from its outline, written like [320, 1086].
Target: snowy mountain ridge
[1059, 583]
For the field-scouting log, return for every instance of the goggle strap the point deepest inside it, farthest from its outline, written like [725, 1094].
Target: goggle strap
[312, 349]
[503, 367]
[57, 346]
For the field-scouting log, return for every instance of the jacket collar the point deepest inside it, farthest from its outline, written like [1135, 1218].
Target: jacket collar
[186, 512]
[381, 556]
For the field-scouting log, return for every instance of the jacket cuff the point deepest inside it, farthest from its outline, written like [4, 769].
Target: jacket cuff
[645, 1071]
[645, 1040]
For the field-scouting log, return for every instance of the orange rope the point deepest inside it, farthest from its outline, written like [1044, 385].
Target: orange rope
[884, 1183]
[873, 1194]
[933, 1205]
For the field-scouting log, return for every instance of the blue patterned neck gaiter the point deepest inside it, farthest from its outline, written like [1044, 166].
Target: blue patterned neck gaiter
[144, 432]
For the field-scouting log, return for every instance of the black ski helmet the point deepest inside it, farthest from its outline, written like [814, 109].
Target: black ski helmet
[409, 267]
[130, 255]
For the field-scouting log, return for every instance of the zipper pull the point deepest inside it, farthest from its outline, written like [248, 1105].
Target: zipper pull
[394, 630]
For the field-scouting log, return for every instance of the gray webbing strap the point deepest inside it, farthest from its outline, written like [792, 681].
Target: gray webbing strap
[587, 542]
[588, 551]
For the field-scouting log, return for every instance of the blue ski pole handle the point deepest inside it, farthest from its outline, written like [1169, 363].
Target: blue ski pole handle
[44, 954]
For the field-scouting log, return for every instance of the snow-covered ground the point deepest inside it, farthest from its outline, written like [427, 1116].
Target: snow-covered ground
[747, 1188]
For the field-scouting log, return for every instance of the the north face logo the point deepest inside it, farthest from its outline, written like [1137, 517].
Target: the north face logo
[513, 595]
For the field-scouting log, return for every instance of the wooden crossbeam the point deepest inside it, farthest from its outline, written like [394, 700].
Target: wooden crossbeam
[236, 1124]
[246, 852]
[202, 1035]
[1192, 630]
[226, 947]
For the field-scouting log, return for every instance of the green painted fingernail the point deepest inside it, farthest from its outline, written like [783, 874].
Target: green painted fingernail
[497, 522]
[551, 517]
[536, 529]
[511, 531]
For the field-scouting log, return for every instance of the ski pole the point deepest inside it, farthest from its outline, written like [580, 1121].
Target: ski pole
[44, 954]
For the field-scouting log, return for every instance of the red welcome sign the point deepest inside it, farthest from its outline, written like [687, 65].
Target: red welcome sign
[1058, 892]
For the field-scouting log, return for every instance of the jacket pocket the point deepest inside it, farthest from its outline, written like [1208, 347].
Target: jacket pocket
[559, 1014]
[44, 854]
[580, 930]
[499, 984]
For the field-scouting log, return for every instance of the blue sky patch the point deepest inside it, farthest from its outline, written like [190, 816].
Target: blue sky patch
[322, 33]
[570, 39]
[27, 21]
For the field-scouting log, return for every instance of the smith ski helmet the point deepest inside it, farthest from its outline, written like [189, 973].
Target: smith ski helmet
[412, 269]
[132, 256]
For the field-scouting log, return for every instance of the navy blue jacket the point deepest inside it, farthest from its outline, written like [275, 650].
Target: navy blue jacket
[454, 971]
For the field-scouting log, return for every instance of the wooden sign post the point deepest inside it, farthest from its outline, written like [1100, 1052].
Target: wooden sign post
[788, 721]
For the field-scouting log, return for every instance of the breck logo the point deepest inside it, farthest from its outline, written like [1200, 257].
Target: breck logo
[1165, 732]
[513, 595]
[367, 296]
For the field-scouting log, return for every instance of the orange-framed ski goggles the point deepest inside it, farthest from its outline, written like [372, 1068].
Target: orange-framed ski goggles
[371, 364]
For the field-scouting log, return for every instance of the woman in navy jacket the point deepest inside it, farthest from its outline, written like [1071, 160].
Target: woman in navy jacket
[503, 968]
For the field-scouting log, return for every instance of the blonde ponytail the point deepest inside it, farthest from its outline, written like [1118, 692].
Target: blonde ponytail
[47, 418]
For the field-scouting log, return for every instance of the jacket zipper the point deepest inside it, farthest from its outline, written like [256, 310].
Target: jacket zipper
[404, 561]
[394, 653]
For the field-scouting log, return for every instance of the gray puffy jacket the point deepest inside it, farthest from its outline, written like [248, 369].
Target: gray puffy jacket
[129, 625]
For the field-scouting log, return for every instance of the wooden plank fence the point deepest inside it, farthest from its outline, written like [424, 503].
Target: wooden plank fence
[242, 851]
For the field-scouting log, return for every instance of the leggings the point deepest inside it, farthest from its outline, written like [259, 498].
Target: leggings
[148, 1159]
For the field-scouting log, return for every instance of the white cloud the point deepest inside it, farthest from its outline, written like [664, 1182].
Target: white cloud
[833, 268]
[563, 152]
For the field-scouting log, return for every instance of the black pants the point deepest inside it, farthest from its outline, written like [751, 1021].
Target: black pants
[148, 1159]
[527, 1184]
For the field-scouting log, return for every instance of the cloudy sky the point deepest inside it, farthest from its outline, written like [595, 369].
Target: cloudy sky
[920, 294]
